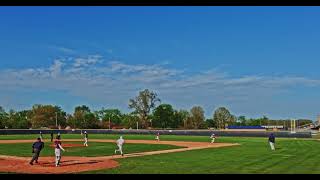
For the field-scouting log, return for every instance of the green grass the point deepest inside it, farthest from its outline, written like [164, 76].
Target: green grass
[132, 137]
[253, 156]
[94, 149]
[109, 136]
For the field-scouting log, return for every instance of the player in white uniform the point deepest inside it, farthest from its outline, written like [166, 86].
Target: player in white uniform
[120, 142]
[158, 137]
[57, 150]
[41, 136]
[213, 137]
[85, 139]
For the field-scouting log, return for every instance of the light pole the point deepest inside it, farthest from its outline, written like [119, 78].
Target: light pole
[293, 126]
[151, 122]
[57, 119]
[74, 124]
[111, 116]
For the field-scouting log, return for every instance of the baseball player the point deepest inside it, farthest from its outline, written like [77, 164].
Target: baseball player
[120, 142]
[85, 139]
[213, 137]
[57, 150]
[36, 148]
[41, 136]
[158, 136]
[51, 134]
[272, 141]
[59, 135]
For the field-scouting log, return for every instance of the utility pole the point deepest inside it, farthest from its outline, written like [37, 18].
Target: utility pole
[137, 125]
[57, 119]
[293, 126]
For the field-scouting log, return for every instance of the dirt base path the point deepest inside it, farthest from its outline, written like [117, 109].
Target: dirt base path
[75, 164]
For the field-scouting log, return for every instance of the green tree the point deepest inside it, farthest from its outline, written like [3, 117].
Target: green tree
[84, 118]
[222, 117]
[19, 120]
[233, 120]
[196, 118]
[82, 109]
[90, 121]
[78, 118]
[130, 120]
[47, 116]
[3, 118]
[242, 120]
[143, 104]
[10, 118]
[182, 117]
[163, 116]
[114, 115]
[179, 118]
[70, 121]
[211, 123]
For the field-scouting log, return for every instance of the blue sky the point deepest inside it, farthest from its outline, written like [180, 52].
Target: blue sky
[254, 60]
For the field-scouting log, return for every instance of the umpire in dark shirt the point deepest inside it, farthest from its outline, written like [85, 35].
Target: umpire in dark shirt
[51, 136]
[36, 148]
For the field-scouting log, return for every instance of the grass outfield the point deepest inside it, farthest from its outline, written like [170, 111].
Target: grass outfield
[252, 156]
[110, 136]
[140, 137]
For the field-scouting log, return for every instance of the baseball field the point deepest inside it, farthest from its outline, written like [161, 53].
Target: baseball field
[173, 154]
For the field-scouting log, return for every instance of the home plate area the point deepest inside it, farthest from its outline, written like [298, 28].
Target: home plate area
[76, 164]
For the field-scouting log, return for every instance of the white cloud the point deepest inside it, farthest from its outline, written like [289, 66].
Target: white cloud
[93, 78]
[90, 60]
[56, 68]
[87, 71]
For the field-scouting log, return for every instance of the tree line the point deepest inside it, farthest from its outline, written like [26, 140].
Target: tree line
[147, 112]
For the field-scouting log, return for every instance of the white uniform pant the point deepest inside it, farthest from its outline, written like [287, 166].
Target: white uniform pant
[120, 148]
[85, 142]
[272, 145]
[58, 155]
[213, 139]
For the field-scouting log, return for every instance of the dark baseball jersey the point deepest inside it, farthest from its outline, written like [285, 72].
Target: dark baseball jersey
[272, 139]
[57, 143]
[38, 145]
